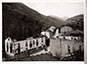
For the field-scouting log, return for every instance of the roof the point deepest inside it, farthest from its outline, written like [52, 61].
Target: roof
[52, 28]
[73, 33]
[64, 26]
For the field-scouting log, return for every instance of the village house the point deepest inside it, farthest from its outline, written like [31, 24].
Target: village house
[49, 32]
[73, 35]
[8, 46]
[57, 34]
[52, 28]
[66, 32]
[64, 29]
[46, 34]
[63, 47]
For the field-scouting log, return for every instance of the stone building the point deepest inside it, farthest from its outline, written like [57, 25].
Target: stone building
[65, 29]
[16, 47]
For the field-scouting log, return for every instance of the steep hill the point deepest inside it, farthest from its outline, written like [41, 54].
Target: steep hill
[76, 22]
[74, 18]
[20, 21]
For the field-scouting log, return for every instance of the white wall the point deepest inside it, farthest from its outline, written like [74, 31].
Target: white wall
[23, 45]
[60, 48]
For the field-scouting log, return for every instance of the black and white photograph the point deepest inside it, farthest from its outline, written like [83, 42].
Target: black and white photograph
[42, 31]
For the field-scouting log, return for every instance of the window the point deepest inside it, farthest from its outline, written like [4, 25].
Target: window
[80, 48]
[36, 42]
[26, 44]
[69, 51]
[8, 39]
[10, 47]
[18, 48]
[30, 44]
[7, 46]
[33, 42]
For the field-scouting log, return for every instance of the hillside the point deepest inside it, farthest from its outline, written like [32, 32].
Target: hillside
[20, 21]
[76, 22]
[75, 18]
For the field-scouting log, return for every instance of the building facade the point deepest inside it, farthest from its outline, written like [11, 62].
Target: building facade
[12, 48]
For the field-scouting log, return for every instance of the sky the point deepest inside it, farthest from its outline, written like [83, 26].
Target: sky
[63, 9]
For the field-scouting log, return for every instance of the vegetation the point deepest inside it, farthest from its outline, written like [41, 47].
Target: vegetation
[20, 21]
[76, 22]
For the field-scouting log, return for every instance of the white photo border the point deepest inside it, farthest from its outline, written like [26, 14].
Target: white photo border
[48, 62]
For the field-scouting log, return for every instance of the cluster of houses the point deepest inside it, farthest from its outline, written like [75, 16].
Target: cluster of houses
[63, 32]
[64, 40]
[13, 47]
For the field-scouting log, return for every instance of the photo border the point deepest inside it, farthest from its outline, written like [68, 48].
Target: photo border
[50, 62]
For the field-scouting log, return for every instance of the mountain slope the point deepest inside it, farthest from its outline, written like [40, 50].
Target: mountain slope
[74, 18]
[20, 21]
[76, 22]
